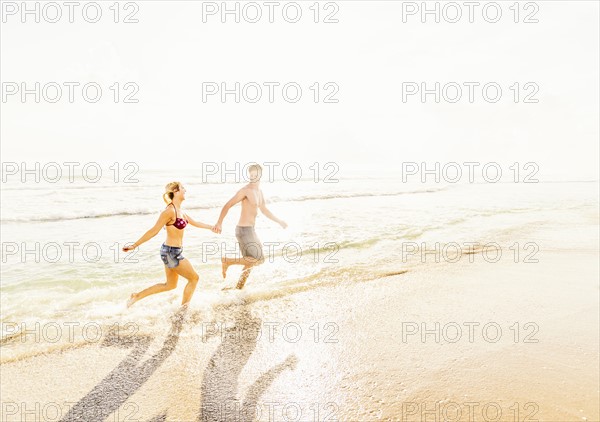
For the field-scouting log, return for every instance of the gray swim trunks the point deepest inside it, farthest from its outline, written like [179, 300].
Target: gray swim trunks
[250, 245]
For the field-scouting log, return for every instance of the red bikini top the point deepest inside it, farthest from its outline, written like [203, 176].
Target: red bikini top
[179, 223]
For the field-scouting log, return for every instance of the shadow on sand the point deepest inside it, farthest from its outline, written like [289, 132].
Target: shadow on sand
[220, 383]
[128, 376]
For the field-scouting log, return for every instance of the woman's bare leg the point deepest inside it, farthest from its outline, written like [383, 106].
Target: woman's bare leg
[186, 270]
[171, 283]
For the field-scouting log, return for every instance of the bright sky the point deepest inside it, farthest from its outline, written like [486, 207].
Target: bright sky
[368, 55]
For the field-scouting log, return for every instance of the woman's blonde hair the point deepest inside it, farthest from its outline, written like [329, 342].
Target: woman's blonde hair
[170, 190]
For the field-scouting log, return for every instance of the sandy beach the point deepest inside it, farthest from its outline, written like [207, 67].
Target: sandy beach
[458, 341]
[372, 211]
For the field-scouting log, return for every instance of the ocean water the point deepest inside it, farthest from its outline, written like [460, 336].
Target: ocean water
[62, 261]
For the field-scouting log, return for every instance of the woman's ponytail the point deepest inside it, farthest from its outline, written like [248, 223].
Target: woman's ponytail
[170, 190]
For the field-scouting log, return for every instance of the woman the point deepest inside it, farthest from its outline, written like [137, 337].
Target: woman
[171, 251]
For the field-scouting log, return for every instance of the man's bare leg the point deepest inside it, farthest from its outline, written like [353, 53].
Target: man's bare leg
[244, 276]
[227, 262]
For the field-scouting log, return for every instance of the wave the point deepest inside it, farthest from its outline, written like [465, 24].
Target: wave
[212, 296]
[79, 183]
[126, 213]
[355, 195]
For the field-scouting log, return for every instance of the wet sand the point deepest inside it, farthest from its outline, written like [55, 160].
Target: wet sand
[352, 352]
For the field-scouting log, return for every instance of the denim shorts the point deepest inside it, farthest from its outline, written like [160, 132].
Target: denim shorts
[171, 255]
[250, 245]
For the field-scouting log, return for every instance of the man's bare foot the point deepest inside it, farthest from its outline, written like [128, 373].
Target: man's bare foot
[224, 267]
[132, 299]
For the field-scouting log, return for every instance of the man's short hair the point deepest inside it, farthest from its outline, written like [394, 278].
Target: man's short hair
[256, 167]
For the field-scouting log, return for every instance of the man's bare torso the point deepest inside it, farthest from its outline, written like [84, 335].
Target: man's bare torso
[252, 201]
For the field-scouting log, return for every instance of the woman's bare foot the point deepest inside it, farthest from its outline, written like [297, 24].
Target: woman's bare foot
[224, 267]
[132, 299]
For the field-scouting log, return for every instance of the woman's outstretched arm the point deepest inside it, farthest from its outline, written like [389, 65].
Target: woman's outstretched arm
[198, 223]
[163, 219]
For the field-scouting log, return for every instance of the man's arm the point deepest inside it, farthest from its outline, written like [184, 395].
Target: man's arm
[270, 215]
[239, 196]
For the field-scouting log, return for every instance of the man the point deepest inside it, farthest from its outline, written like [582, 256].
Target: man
[252, 200]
